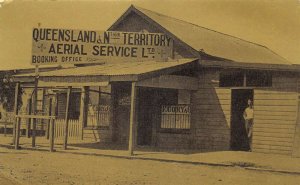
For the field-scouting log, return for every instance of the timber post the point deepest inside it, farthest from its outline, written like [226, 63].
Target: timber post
[49, 121]
[18, 133]
[67, 118]
[34, 108]
[83, 109]
[5, 130]
[51, 134]
[132, 119]
[28, 121]
[99, 104]
[15, 112]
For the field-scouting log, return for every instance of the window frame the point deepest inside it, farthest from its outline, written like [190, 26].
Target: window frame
[174, 128]
[247, 76]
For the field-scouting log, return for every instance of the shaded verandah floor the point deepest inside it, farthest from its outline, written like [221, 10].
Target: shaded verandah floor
[249, 160]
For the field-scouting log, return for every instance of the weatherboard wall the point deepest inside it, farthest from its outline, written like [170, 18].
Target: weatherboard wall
[211, 113]
[275, 115]
[296, 144]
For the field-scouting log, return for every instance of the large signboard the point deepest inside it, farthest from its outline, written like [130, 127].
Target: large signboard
[65, 46]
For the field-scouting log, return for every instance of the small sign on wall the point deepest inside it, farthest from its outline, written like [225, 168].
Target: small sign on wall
[125, 100]
[175, 109]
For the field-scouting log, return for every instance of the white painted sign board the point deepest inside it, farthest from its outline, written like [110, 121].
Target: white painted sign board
[65, 46]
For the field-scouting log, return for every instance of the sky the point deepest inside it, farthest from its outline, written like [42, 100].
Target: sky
[272, 23]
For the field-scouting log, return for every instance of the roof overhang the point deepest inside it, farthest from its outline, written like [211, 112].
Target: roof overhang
[42, 83]
[102, 75]
[243, 65]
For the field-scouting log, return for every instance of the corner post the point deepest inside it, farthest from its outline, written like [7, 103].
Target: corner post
[132, 119]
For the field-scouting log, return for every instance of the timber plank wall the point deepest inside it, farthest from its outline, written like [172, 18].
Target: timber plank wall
[211, 106]
[275, 115]
[296, 144]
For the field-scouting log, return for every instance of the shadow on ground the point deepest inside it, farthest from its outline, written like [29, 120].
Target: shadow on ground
[147, 149]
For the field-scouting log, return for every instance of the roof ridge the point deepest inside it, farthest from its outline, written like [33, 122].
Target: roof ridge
[254, 43]
[286, 60]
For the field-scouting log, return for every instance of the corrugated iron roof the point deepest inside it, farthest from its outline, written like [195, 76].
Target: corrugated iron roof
[113, 69]
[211, 42]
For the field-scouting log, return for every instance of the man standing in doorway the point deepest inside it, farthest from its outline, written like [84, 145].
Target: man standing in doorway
[248, 116]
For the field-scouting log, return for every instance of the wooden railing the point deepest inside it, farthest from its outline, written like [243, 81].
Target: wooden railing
[99, 117]
[74, 130]
[175, 117]
[56, 128]
[7, 119]
[17, 128]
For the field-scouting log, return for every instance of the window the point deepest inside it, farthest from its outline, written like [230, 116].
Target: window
[175, 117]
[231, 79]
[253, 78]
[258, 79]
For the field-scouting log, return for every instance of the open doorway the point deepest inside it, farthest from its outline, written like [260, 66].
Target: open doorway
[122, 101]
[239, 100]
[148, 108]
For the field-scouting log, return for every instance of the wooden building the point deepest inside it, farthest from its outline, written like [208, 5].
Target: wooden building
[193, 101]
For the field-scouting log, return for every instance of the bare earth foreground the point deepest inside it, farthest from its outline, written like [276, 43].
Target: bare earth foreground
[42, 167]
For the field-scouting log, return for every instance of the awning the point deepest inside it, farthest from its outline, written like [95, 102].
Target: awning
[170, 82]
[101, 75]
[42, 83]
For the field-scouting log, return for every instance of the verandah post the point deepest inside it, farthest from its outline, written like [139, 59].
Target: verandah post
[15, 112]
[51, 134]
[28, 121]
[83, 109]
[49, 121]
[67, 118]
[132, 119]
[18, 133]
[34, 108]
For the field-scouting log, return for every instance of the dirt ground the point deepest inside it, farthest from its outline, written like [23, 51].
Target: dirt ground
[5, 181]
[42, 167]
